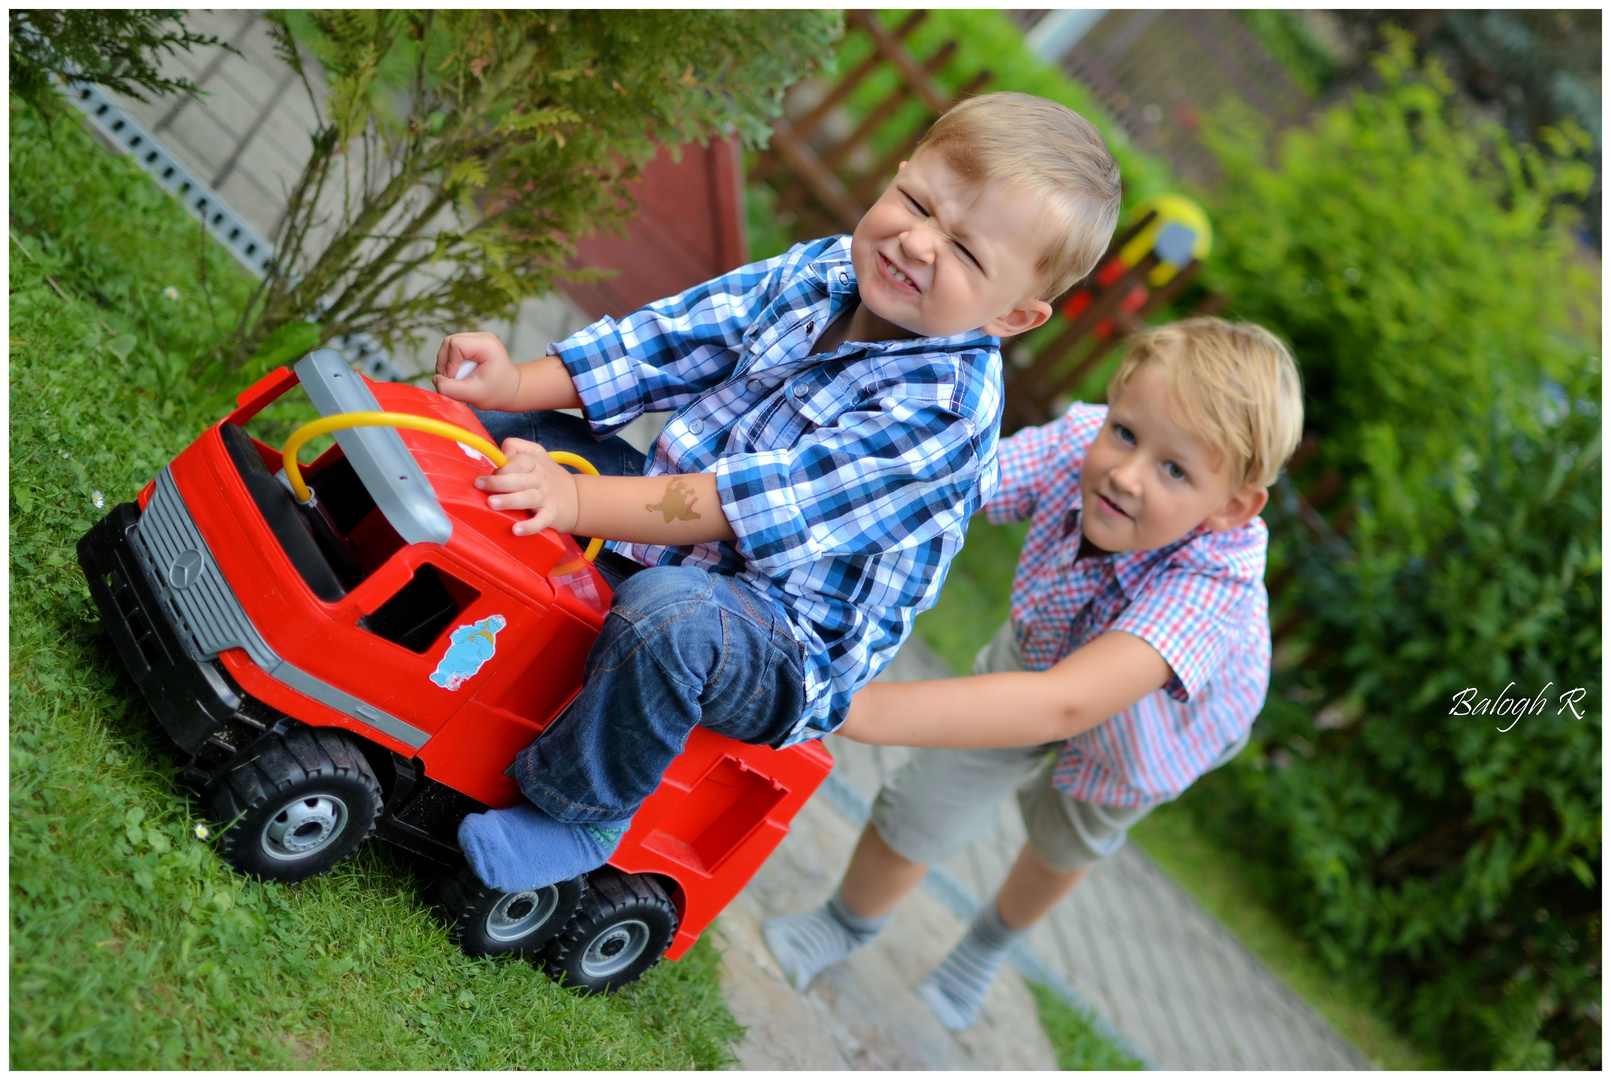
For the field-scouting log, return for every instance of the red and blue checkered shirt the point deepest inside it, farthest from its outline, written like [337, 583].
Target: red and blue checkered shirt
[1199, 601]
[849, 477]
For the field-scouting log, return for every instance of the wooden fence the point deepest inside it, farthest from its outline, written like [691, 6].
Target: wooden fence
[826, 181]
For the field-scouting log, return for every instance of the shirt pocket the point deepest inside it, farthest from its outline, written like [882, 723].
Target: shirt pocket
[867, 386]
[822, 405]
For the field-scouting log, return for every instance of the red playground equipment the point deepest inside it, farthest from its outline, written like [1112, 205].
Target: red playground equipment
[370, 658]
[1176, 232]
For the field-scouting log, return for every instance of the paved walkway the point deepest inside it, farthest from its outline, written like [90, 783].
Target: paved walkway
[1129, 943]
[1133, 945]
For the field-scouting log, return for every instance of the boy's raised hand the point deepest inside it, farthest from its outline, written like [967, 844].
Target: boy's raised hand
[494, 383]
[531, 481]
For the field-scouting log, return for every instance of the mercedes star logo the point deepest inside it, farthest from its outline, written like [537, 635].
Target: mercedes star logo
[185, 569]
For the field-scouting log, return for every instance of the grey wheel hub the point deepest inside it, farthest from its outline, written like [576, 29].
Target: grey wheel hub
[615, 948]
[304, 827]
[518, 914]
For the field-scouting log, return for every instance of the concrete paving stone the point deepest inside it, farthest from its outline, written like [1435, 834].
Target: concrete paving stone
[1182, 1011]
[244, 192]
[864, 1013]
[264, 159]
[232, 108]
[1202, 1012]
[260, 77]
[145, 114]
[543, 321]
[1061, 955]
[201, 142]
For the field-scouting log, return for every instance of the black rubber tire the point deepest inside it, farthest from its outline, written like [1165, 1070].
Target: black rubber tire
[488, 922]
[306, 801]
[620, 930]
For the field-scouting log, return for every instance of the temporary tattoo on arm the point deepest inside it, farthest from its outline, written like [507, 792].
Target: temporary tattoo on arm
[678, 502]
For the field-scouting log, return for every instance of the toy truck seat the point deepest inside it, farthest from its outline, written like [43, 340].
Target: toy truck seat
[370, 661]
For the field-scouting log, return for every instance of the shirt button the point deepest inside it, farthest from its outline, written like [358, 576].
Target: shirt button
[844, 278]
[754, 384]
[801, 390]
[811, 326]
[696, 425]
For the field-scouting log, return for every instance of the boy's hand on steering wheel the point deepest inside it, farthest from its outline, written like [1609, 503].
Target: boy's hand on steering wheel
[533, 481]
[476, 369]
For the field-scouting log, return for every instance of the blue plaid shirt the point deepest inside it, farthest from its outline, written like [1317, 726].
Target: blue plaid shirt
[848, 477]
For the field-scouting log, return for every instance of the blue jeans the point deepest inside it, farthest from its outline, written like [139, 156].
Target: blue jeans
[681, 648]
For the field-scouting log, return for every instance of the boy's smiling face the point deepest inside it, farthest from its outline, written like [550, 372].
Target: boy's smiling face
[1148, 480]
[937, 255]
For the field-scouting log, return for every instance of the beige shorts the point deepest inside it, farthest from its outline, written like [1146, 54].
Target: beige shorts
[941, 801]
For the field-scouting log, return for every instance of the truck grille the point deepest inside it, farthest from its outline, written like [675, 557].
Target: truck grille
[201, 604]
[209, 619]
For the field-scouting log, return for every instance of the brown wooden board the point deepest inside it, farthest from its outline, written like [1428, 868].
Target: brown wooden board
[688, 228]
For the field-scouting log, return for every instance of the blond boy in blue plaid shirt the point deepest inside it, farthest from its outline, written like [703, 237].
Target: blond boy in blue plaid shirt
[835, 413]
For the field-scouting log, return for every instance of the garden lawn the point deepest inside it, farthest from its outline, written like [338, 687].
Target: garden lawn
[133, 946]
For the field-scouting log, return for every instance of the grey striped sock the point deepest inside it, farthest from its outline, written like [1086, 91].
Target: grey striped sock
[806, 943]
[956, 989]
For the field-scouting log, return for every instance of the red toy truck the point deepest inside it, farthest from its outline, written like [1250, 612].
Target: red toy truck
[371, 660]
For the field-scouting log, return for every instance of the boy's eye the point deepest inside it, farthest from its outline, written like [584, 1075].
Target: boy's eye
[966, 254]
[1174, 471]
[916, 206]
[1124, 433]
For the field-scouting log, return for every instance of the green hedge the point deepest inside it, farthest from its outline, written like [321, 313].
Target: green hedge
[1423, 267]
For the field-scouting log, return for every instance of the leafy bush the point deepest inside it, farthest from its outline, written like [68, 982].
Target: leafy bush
[1287, 38]
[115, 49]
[1424, 272]
[460, 153]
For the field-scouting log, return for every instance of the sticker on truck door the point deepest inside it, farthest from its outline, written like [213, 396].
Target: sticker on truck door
[469, 647]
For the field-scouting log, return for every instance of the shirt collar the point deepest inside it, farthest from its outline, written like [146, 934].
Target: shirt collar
[1131, 568]
[833, 268]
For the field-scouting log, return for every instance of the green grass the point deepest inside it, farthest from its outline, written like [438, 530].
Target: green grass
[974, 603]
[133, 946]
[1074, 1038]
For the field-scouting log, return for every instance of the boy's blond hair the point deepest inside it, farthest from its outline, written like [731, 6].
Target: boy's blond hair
[1234, 385]
[1052, 151]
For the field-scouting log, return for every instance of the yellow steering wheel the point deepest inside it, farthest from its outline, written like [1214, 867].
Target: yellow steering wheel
[341, 421]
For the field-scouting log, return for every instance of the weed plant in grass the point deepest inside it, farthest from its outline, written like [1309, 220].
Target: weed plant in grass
[133, 946]
[1074, 1037]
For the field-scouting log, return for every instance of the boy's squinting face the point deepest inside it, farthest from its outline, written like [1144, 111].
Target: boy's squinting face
[937, 255]
[1148, 480]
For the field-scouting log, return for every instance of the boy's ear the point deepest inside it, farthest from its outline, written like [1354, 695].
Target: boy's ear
[1023, 318]
[1242, 507]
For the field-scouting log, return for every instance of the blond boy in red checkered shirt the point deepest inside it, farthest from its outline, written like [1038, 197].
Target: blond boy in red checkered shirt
[1136, 658]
